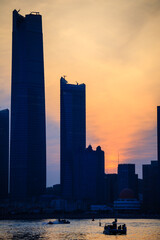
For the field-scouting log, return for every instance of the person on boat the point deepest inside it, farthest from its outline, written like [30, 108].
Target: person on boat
[124, 226]
[119, 227]
[114, 223]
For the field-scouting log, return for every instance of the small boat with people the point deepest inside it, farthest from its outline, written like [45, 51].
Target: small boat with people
[59, 221]
[113, 229]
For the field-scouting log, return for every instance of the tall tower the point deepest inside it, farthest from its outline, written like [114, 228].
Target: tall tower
[72, 132]
[28, 130]
[4, 152]
[158, 134]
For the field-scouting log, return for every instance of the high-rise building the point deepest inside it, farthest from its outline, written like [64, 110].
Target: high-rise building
[89, 176]
[158, 150]
[151, 178]
[151, 193]
[72, 131]
[110, 189]
[4, 152]
[28, 130]
[158, 134]
[127, 178]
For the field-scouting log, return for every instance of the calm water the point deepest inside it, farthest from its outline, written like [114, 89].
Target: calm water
[139, 229]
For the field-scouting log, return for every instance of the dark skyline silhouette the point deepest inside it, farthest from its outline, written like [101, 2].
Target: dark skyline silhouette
[4, 152]
[72, 132]
[158, 134]
[127, 178]
[89, 175]
[28, 130]
[81, 168]
[125, 66]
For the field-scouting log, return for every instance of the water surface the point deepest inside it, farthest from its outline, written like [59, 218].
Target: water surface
[139, 229]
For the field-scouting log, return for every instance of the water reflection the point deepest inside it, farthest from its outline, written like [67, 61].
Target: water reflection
[17, 230]
[26, 236]
[72, 236]
[146, 229]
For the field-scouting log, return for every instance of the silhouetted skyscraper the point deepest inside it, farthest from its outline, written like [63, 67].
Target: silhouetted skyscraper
[111, 188]
[127, 178]
[158, 134]
[151, 192]
[28, 131]
[89, 175]
[73, 132]
[151, 178]
[4, 152]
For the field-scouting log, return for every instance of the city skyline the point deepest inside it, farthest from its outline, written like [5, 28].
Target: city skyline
[121, 78]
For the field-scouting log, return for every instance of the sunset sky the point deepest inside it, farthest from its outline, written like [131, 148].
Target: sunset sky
[114, 48]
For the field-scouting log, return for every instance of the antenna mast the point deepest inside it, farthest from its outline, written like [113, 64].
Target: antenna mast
[118, 158]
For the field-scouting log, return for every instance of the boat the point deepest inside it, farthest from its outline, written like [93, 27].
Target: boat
[113, 229]
[59, 221]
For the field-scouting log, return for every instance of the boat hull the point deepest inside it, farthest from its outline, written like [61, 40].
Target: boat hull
[115, 232]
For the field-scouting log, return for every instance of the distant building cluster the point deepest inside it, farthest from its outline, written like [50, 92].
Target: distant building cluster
[83, 181]
[83, 169]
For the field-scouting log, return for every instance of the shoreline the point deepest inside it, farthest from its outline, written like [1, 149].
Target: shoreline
[78, 216]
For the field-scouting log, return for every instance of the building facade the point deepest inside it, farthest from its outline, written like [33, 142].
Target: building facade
[111, 186]
[151, 187]
[4, 152]
[151, 178]
[127, 178]
[72, 132]
[89, 176]
[28, 129]
[158, 134]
